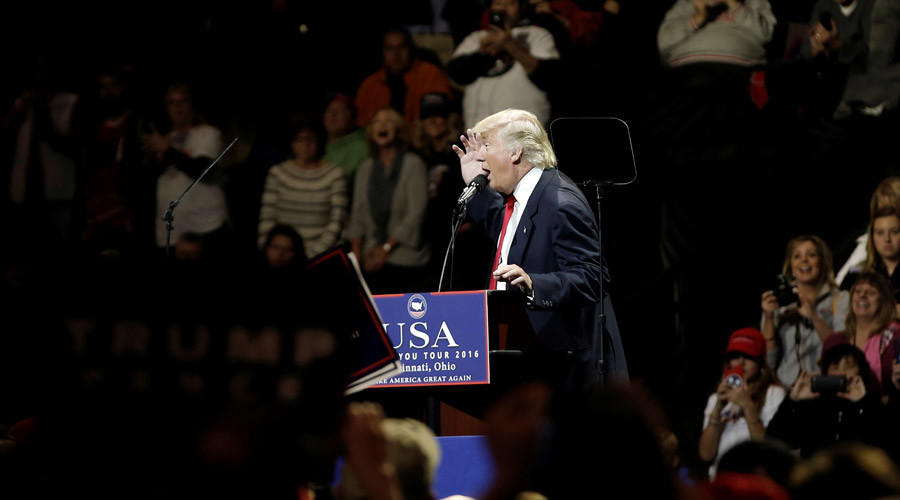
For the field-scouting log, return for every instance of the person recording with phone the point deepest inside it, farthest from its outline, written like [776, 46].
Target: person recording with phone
[508, 64]
[820, 411]
[745, 400]
[796, 327]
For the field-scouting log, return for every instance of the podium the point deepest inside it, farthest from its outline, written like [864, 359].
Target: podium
[455, 405]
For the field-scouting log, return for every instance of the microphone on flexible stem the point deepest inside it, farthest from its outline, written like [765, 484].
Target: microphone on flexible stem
[459, 214]
[472, 189]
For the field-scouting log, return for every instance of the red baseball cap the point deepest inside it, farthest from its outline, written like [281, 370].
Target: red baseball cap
[747, 341]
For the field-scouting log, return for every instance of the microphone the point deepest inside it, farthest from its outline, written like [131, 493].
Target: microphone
[472, 189]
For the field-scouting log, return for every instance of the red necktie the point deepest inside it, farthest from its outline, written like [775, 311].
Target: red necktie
[510, 203]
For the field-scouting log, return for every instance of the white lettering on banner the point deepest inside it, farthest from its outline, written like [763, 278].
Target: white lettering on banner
[400, 341]
[419, 330]
[445, 334]
[444, 366]
[405, 380]
[419, 334]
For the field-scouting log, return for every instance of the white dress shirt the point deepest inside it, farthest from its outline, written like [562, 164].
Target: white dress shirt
[522, 192]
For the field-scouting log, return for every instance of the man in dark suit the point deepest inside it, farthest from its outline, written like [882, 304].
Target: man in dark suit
[547, 243]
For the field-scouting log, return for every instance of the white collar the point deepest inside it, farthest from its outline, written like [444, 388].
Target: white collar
[526, 186]
[846, 11]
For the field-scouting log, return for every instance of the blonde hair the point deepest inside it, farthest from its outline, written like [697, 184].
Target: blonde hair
[826, 262]
[873, 259]
[889, 189]
[414, 451]
[516, 128]
[402, 135]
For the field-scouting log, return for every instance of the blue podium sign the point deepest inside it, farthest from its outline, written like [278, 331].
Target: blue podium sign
[440, 338]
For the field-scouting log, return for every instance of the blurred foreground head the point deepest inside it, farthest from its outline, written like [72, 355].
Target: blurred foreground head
[415, 454]
[846, 470]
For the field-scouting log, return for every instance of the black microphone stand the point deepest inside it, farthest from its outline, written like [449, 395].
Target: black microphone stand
[575, 142]
[598, 334]
[459, 215]
[168, 216]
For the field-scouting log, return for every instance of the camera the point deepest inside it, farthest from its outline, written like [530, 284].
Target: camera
[829, 384]
[784, 291]
[498, 18]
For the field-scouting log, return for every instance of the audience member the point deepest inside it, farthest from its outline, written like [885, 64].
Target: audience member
[709, 50]
[722, 32]
[115, 187]
[400, 82]
[346, 145]
[189, 248]
[387, 458]
[796, 324]
[603, 441]
[879, 91]
[41, 176]
[883, 248]
[580, 26]
[745, 486]
[389, 203]
[765, 457]
[509, 65]
[742, 407]
[872, 327]
[886, 195]
[811, 418]
[837, 46]
[436, 130]
[283, 248]
[306, 192]
[847, 470]
[182, 155]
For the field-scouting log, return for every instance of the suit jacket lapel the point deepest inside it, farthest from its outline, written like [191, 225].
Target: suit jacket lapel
[526, 221]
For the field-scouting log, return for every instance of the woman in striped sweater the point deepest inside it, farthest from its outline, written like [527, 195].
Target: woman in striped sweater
[306, 192]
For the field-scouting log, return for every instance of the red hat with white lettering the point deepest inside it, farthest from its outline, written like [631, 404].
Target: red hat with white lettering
[747, 341]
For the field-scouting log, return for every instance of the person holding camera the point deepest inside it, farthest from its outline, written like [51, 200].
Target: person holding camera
[797, 319]
[745, 400]
[822, 410]
[873, 328]
[511, 64]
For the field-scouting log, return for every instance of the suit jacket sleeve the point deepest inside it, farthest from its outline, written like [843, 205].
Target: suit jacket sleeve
[576, 250]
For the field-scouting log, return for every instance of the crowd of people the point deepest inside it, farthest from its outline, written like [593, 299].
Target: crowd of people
[753, 123]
